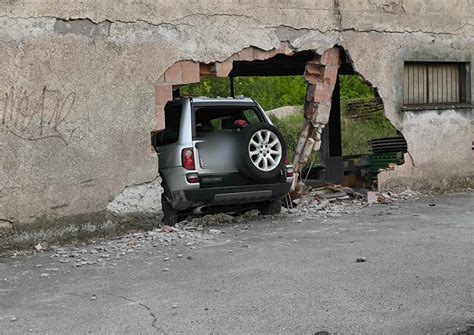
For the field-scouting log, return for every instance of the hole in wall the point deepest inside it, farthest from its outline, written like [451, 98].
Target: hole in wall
[358, 140]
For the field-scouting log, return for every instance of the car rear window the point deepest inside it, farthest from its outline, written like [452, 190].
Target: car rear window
[210, 120]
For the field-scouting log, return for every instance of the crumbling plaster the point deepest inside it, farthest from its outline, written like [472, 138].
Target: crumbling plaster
[91, 67]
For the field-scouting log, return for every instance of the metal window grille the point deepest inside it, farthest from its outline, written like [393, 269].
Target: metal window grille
[434, 83]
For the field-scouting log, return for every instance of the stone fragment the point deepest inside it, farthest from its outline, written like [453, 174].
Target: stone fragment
[372, 197]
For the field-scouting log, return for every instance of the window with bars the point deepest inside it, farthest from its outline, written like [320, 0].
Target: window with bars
[435, 83]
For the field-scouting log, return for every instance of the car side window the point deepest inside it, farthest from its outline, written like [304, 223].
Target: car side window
[251, 116]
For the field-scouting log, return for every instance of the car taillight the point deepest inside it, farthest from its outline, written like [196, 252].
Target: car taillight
[289, 171]
[192, 178]
[187, 159]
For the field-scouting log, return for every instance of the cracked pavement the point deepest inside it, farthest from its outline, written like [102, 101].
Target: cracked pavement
[287, 274]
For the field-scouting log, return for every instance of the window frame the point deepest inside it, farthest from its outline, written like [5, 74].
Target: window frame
[464, 86]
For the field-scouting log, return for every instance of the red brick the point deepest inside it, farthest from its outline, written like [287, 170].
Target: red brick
[174, 75]
[331, 57]
[163, 93]
[323, 92]
[223, 69]
[160, 118]
[190, 72]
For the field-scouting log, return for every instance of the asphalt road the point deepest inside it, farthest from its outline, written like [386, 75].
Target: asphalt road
[282, 276]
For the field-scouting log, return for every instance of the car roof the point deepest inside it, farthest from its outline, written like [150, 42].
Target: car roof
[220, 100]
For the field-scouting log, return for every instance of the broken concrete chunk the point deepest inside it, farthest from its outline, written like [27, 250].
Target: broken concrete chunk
[372, 197]
[168, 229]
[43, 246]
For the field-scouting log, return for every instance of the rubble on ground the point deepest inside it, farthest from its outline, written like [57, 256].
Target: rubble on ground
[327, 201]
[337, 199]
[110, 251]
[184, 235]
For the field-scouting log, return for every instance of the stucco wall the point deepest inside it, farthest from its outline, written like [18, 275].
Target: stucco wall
[77, 96]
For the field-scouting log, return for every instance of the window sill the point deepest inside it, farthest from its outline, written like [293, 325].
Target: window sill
[436, 107]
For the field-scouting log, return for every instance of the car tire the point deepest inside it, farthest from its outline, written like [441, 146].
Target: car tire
[262, 151]
[170, 215]
[270, 207]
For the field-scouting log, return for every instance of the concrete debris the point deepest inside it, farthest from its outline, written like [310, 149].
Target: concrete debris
[372, 197]
[329, 201]
[108, 252]
[168, 229]
[209, 219]
[43, 246]
[251, 214]
[333, 200]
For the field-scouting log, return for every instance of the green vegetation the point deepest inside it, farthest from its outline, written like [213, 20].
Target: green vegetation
[274, 92]
[270, 92]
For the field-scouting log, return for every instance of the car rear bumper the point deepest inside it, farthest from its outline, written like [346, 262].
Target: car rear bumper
[229, 195]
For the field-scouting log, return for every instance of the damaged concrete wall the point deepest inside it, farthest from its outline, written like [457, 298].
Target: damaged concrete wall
[78, 80]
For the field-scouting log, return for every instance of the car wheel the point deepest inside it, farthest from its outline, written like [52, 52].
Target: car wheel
[262, 151]
[170, 215]
[271, 207]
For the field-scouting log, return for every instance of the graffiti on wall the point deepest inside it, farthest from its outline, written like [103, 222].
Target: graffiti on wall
[37, 114]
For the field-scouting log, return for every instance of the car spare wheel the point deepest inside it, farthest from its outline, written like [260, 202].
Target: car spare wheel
[262, 151]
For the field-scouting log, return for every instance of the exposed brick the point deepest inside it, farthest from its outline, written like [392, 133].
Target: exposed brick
[310, 92]
[246, 54]
[163, 93]
[323, 92]
[331, 57]
[323, 112]
[261, 54]
[161, 80]
[160, 118]
[313, 71]
[190, 72]
[223, 69]
[205, 69]
[330, 74]
[174, 75]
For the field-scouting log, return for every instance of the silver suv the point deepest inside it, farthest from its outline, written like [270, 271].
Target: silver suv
[220, 154]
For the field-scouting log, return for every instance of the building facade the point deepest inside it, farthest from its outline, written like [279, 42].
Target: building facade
[78, 90]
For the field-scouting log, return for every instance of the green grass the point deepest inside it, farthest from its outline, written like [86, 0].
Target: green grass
[356, 134]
